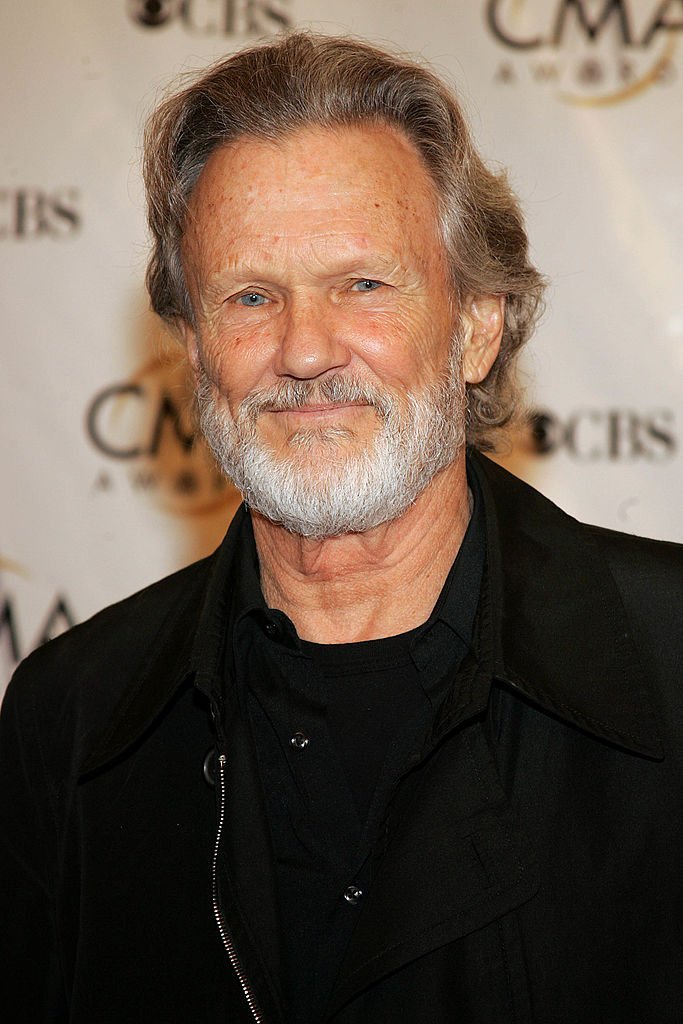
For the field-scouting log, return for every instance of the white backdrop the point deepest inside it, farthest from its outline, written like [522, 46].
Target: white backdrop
[103, 489]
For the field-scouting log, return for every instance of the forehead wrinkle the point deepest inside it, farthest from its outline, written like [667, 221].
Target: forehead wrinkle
[261, 255]
[222, 243]
[298, 161]
[400, 192]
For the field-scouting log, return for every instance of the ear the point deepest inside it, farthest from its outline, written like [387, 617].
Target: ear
[483, 318]
[190, 342]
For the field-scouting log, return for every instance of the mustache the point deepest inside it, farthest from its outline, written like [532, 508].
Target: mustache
[288, 395]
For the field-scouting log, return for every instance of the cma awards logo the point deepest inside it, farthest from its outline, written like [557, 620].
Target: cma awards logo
[143, 428]
[592, 52]
[30, 614]
[213, 17]
[35, 213]
[604, 435]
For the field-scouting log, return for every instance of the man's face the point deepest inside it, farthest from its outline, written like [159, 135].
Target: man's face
[325, 330]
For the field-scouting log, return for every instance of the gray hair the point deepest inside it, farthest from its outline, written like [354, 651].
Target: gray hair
[302, 79]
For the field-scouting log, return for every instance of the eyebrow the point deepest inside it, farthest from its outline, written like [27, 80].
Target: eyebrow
[356, 263]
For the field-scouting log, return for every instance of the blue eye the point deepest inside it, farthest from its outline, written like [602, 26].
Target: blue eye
[251, 299]
[367, 285]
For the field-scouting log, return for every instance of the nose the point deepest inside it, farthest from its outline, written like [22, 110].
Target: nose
[311, 343]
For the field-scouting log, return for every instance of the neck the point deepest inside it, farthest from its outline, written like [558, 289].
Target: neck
[365, 586]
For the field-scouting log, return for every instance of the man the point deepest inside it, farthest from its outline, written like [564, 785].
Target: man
[407, 747]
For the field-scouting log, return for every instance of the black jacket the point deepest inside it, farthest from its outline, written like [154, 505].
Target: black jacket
[529, 867]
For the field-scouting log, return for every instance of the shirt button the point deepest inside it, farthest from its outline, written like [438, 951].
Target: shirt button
[352, 894]
[272, 630]
[299, 741]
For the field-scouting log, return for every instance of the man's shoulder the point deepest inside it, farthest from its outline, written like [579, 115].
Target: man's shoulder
[626, 553]
[543, 550]
[649, 577]
[92, 663]
[129, 622]
[633, 555]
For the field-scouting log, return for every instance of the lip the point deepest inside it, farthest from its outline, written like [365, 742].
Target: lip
[325, 409]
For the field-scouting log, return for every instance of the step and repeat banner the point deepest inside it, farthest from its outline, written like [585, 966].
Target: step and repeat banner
[105, 487]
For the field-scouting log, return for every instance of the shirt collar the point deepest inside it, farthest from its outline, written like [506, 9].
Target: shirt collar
[436, 646]
[454, 613]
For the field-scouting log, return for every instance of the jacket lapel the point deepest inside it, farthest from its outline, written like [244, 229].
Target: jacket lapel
[165, 669]
[189, 646]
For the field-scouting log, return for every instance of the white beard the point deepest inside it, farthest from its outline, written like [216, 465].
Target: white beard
[325, 487]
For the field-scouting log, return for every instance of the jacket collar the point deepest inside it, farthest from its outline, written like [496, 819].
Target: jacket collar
[559, 632]
[551, 626]
[187, 649]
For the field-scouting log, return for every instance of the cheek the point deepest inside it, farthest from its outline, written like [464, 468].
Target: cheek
[406, 349]
[237, 363]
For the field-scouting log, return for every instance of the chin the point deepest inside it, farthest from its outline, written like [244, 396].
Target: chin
[321, 439]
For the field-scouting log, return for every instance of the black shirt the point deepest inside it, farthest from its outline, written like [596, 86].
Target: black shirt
[334, 728]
